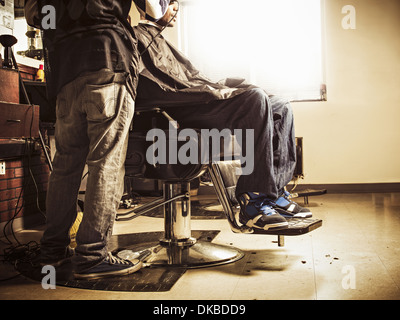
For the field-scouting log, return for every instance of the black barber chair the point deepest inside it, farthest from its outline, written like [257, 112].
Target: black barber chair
[178, 248]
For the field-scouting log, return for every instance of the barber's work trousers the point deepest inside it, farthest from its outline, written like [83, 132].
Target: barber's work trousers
[274, 135]
[94, 113]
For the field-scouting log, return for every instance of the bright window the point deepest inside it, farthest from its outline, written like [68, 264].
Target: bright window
[274, 44]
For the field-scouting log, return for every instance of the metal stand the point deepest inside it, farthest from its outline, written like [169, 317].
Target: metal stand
[178, 248]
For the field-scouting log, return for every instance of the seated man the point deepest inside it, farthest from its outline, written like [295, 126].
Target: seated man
[167, 78]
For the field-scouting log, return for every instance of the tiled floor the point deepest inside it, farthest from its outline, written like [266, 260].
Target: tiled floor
[354, 255]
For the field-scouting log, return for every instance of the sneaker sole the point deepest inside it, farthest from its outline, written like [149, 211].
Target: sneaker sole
[100, 275]
[285, 214]
[303, 215]
[273, 226]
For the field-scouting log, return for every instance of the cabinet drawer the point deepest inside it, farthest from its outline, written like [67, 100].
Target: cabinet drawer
[18, 120]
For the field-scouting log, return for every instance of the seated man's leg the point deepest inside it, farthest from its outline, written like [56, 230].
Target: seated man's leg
[285, 157]
[249, 110]
[284, 142]
[261, 191]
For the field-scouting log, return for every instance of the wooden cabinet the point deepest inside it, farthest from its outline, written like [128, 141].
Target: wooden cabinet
[18, 120]
[9, 85]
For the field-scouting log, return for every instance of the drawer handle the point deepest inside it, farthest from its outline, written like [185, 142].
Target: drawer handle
[13, 120]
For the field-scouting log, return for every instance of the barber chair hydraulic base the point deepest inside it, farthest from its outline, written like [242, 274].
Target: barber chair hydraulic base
[178, 248]
[198, 255]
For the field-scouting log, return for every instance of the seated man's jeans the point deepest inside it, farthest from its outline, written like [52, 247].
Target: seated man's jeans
[94, 113]
[274, 135]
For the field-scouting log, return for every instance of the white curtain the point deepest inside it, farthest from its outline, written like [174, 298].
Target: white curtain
[275, 44]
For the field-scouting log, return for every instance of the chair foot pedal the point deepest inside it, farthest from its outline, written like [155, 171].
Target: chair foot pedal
[297, 226]
[310, 192]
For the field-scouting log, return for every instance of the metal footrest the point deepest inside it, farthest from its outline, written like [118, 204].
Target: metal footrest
[309, 193]
[297, 226]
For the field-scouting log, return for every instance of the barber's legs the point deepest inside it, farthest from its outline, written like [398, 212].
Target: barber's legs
[93, 117]
[65, 179]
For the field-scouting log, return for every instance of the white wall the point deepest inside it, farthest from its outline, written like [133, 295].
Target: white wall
[354, 137]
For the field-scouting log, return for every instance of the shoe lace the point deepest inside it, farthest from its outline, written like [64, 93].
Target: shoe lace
[287, 195]
[283, 200]
[115, 260]
[263, 204]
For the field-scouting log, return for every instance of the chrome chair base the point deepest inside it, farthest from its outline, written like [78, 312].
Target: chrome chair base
[178, 248]
[199, 255]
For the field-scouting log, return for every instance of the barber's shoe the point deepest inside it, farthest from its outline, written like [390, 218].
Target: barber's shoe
[111, 266]
[257, 212]
[290, 209]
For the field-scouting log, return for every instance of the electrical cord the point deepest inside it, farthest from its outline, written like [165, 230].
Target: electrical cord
[19, 253]
[22, 253]
[18, 207]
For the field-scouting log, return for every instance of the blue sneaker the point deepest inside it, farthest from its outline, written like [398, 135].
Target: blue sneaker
[288, 208]
[257, 212]
[111, 266]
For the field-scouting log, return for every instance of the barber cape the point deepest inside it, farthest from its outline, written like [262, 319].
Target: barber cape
[168, 78]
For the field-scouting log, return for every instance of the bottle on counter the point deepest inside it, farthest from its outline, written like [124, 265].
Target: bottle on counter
[40, 74]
